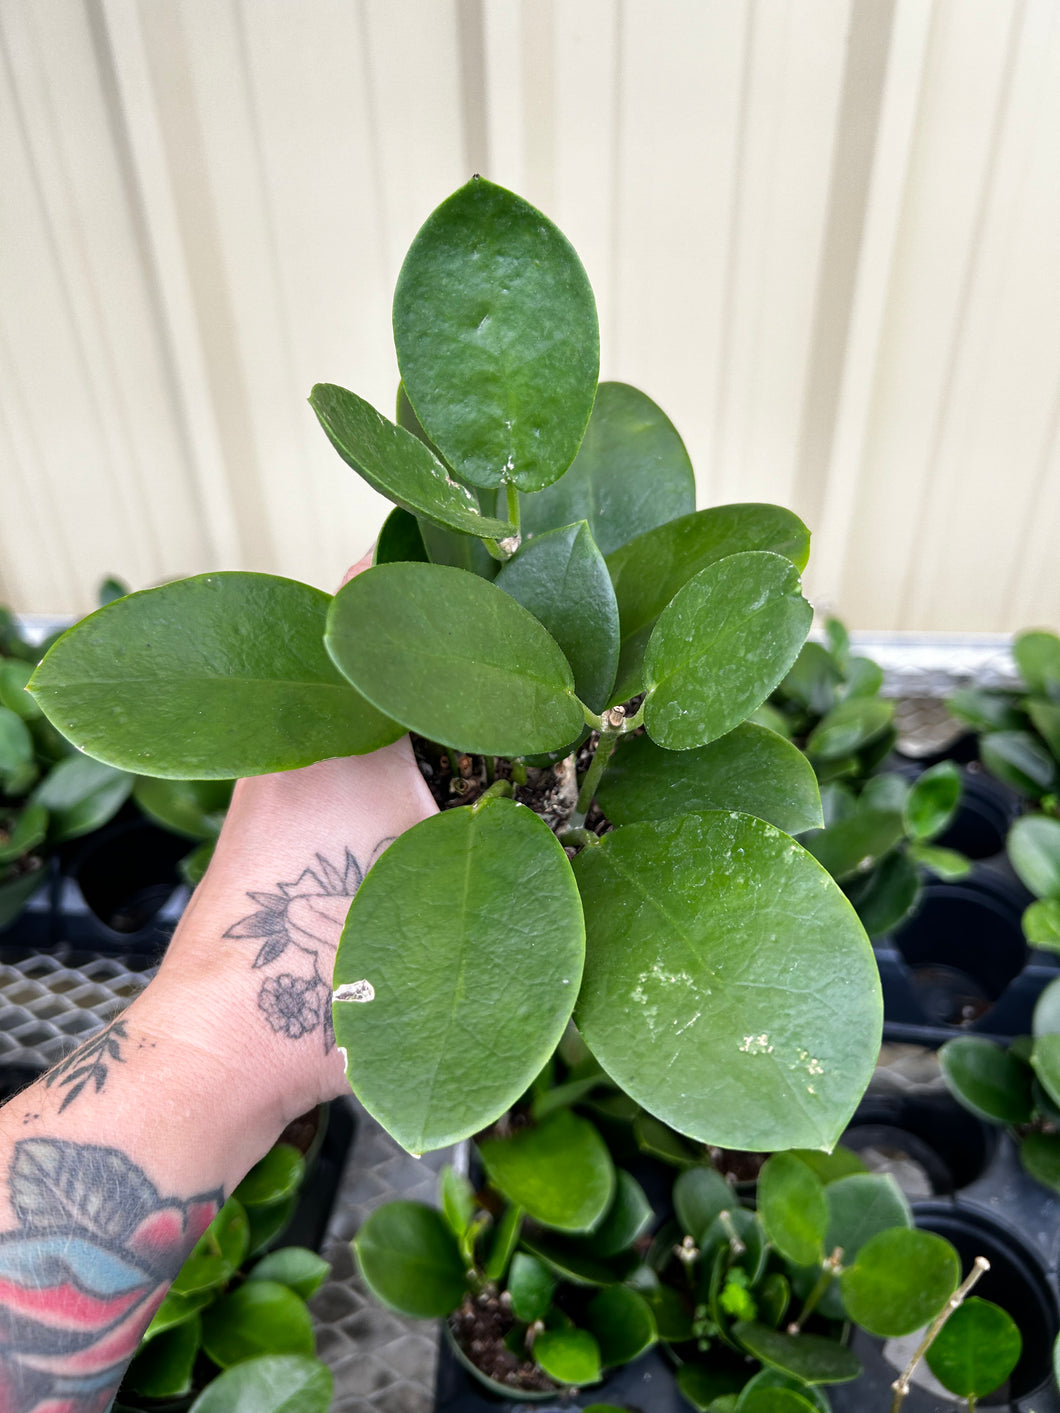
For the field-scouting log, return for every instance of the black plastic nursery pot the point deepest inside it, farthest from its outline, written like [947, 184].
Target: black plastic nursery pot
[930, 1145]
[123, 887]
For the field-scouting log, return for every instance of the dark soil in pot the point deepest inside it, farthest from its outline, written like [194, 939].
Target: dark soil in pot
[930, 1145]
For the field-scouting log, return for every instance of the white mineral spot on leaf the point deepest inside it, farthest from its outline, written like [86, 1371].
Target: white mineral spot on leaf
[756, 1045]
[355, 991]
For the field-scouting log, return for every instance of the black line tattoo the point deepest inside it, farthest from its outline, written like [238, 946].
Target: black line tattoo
[302, 922]
[90, 1063]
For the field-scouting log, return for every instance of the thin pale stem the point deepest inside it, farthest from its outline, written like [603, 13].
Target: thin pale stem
[578, 838]
[496, 552]
[901, 1384]
[591, 779]
[495, 791]
[513, 506]
[829, 1270]
[519, 772]
[454, 763]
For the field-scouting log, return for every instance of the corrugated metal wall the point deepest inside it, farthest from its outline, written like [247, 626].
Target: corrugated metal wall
[824, 234]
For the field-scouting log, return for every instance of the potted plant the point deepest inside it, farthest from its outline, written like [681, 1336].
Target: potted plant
[720, 976]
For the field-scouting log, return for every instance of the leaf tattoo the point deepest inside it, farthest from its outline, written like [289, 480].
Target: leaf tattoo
[89, 1063]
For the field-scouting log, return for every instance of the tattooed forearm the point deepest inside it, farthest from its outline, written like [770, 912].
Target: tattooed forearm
[83, 1271]
[302, 922]
[89, 1064]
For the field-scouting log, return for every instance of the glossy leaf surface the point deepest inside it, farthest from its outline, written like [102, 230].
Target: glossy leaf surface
[559, 1172]
[210, 678]
[933, 800]
[775, 1400]
[700, 1194]
[273, 1178]
[497, 340]
[721, 646]
[296, 1267]
[398, 465]
[900, 1281]
[468, 925]
[1045, 717]
[851, 724]
[80, 795]
[1040, 1155]
[194, 808]
[260, 1317]
[1034, 851]
[774, 1379]
[218, 1253]
[1037, 656]
[410, 1260]
[1047, 1010]
[162, 1367]
[792, 1207]
[400, 540]
[808, 1357]
[561, 578]
[987, 1079]
[860, 1207]
[621, 1321]
[750, 769]
[650, 570]
[976, 1349]
[455, 659]
[741, 1003]
[570, 1356]
[1041, 924]
[1019, 760]
[887, 894]
[530, 1284]
[1045, 1060]
[631, 474]
[855, 844]
[274, 1383]
[629, 1216]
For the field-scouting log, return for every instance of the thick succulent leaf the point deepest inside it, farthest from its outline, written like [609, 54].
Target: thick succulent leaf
[854, 845]
[299, 1269]
[455, 659]
[81, 795]
[943, 863]
[410, 1260]
[1040, 1155]
[721, 646]
[887, 894]
[700, 1196]
[793, 1209]
[750, 769]
[933, 800]
[559, 1171]
[711, 1390]
[650, 570]
[218, 1253]
[631, 474]
[860, 1207]
[194, 808]
[830, 1167]
[260, 1317]
[1037, 656]
[398, 465]
[400, 540]
[740, 1004]
[561, 578]
[813, 679]
[1034, 852]
[1020, 761]
[570, 1356]
[272, 1383]
[628, 1217]
[208, 678]
[811, 1358]
[773, 1379]
[14, 676]
[976, 1349]
[900, 1281]
[864, 678]
[497, 339]
[775, 1400]
[622, 1323]
[848, 727]
[530, 1284]
[273, 1178]
[457, 551]
[468, 928]
[987, 1079]
[162, 1367]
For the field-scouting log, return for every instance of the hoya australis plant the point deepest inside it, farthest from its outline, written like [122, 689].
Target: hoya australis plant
[545, 587]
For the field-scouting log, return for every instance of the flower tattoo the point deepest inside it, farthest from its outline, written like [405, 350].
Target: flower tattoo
[292, 1004]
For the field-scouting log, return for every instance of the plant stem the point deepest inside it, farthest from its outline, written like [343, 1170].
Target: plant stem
[495, 791]
[829, 1270]
[901, 1384]
[591, 779]
[513, 505]
[519, 772]
[578, 838]
[491, 768]
[495, 551]
[454, 763]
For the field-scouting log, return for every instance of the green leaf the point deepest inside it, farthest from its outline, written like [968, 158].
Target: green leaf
[299, 1269]
[260, 1317]
[30, 829]
[933, 801]
[1019, 760]
[410, 1260]
[1034, 852]
[622, 1323]
[219, 1252]
[80, 795]
[455, 659]
[888, 792]
[813, 679]
[830, 1167]
[458, 1200]
[700, 1194]
[561, 578]
[193, 865]
[1045, 717]
[16, 744]
[559, 1172]
[976, 1349]
[571, 1263]
[530, 1284]
[703, 1387]
[505, 1241]
[631, 474]
[887, 894]
[741, 1004]
[1041, 924]
[176, 1309]
[398, 465]
[1047, 1010]
[810, 1358]
[280, 1383]
[628, 1217]
[469, 925]
[1045, 1059]
[751, 770]
[400, 540]
[849, 726]
[775, 1400]
[210, 678]
[984, 711]
[1040, 1155]
[900, 1281]
[1037, 656]
[651, 569]
[792, 1208]
[274, 1178]
[569, 1356]
[16, 892]
[194, 808]
[864, 678]
[162, 1367]
[774, 1379]
[854, 845]
[944, 863]
[860, 1207]
[987, 1080]
[721, 646]
[14, 677]
[497, 340]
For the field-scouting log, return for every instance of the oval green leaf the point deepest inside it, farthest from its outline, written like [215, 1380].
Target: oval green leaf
[987, 1080]
[569, 1356]
[1034, 852]
[851, 724]
[774, 1379]
[1045, 1058]
[792, 1208]
[561, 578]
[261, 1317]
[162, 1367]
[497, 340]
[410, 1260]
[1037, 656]
[775, 1400]
[740, 1004]
[208, 678]
[398, 465]
[530, 1284]
[80, 795]
[628, 1217]
[1041, 924]
[976, 1349]
[455, 659]
[275, 1383]
[809, 1358]
[860, 1207]
[559, 1171]
[700, 1194]
[721, 646]
[622, 1323]
[631, 474]
[750, 769]
[175, 1309]
[14, 677]
[296, 1267]
[1019, 760]
[651, 569]
[887, 894]
[29, 829]
[1045, 717]
[400, 540]
[854, 845]
[1040, 1155]
[900, 1281]
[505, 1240]
[933, 800]
[469, 925]
[1047, 1010]
[218, 1253]
[194, 808]
[274, 1178]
